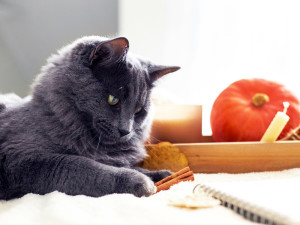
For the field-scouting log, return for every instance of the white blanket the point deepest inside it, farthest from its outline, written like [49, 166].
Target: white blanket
[60, 209]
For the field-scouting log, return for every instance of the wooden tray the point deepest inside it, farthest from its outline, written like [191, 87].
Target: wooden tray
[241, 157]
[183, 124]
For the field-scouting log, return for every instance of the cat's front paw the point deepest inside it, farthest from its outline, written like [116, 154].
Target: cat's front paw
[136, 183]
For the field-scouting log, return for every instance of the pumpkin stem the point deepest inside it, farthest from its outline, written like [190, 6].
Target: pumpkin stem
[259, 99]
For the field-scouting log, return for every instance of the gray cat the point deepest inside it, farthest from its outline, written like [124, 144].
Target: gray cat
[83, 130]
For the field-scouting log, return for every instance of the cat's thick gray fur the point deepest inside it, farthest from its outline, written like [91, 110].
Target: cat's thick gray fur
[68, 138]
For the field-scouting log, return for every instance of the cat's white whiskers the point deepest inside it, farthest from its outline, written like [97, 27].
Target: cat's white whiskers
[98, 142]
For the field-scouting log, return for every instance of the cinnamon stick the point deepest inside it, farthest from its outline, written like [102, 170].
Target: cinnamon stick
[182, 175]
[166, 186]
[178, 173]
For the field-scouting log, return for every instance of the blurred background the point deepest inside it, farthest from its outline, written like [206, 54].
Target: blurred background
[215, 42]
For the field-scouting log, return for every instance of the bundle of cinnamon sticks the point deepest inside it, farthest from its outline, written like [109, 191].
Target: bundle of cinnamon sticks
[293, 135]
[184, 174]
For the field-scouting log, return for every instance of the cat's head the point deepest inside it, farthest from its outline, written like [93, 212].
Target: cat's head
[96, 81]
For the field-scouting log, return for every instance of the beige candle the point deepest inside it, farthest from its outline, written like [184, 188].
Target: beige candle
[277, 125]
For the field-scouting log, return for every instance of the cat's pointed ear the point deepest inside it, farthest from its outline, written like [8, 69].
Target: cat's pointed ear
[110, 51]
[157, 72]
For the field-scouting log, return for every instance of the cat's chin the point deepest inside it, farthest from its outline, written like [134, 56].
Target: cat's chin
[125, 138]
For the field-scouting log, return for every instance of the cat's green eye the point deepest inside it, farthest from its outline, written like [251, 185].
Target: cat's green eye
[138, 110]
[112, 100]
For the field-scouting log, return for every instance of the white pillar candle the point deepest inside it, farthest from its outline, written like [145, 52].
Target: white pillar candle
[277, 125]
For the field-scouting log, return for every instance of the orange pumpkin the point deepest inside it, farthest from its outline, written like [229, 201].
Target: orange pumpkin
[245, 109]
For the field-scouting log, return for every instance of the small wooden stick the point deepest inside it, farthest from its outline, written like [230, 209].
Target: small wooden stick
[182, 175]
